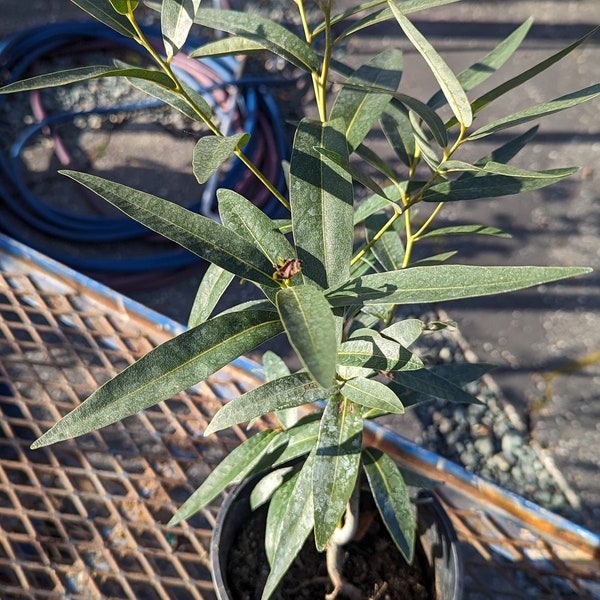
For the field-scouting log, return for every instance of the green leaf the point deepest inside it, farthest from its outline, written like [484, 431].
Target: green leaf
[353, 170]
[421, 285]
[232, 469]
[244, 218]
[388, 249]
[525, 76]
[488, 65]
[407, 7]
[211, 151]
[406, 332]
[495, 180]
[538, 111]
[60, 78]
[175, 365]
[372, 394]
[123, 7]
[427, 382]
[103, 11]
[226, 46]
[392, 498]
[263, 31]
[428, 116]
[297, 523]
[376, 161]
[453, 91]
[201, 112]
[285, 392]
[361, 108]
[274, 366]
[466, 230]
[375, 203]
[336, 466]
[321, 199]
[398, 131]
[310, 327]
[277, 509]
[213, 285]
[369, 350]
[263, 491]
[202, 236]
[176, 20]
[300, 439]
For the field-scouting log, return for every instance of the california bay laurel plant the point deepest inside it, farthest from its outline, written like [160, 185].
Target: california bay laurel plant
[334, 272]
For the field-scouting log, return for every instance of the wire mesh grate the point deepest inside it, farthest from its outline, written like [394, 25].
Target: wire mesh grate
[86, 518]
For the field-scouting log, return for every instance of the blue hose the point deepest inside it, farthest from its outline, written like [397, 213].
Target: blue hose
[20, 51]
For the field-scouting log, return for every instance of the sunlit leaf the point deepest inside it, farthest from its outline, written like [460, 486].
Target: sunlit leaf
[453, 91]
[392, 498]
[297, 523]
[233, 468]
[212, 287]
[175, 365]
[372, 394]
[103, 11]
[176, 20]
[321, 199]
[336, 466]
[360, 107]
[285, 392]
[211, 151]
[264, 31]
[406, 332]
[198, 234]
[421, 285]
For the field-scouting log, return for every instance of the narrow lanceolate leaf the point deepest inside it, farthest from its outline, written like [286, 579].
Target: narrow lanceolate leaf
[405, 332]
[443, 282]
[294, 527]
[274, 366]
[388, 249]
[226, 46]
[244, 218]
[123, 7]
[453, 91]
[466, 230]
[103, 11]
[202, 236]
[61, 78]
[176, 20]
[372, 394]
[201, 111]
[369, 350]
[495, 180]
[321, 199]
[428, 116]
[357, 104]
[336, 466]
[427, 382]
[486, 66]
[270, 35]
[538, 111]
[285, 392]
[232, 469]
[213, 285]
[277, 509]
[211, 151]
[299, 440]
[525, 76]
[310, 327]
[168, 369]
[392, 498]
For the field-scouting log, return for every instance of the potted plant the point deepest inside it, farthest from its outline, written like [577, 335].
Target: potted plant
[333, 273]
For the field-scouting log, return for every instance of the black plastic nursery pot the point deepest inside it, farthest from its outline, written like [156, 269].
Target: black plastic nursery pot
[239, 567]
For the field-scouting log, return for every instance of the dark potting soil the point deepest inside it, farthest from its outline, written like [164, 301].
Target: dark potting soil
[373, 564]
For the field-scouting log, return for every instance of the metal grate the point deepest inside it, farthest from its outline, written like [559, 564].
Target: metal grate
[85, 518]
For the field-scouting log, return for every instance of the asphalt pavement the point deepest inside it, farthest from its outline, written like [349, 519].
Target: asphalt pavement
[545, 341]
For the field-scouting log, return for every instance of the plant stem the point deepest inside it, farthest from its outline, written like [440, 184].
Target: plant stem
[165, 65]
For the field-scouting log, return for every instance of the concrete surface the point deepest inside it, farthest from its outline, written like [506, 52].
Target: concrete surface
[529, 335]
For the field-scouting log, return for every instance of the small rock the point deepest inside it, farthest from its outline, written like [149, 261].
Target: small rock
[512, 441]
[484, 446]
